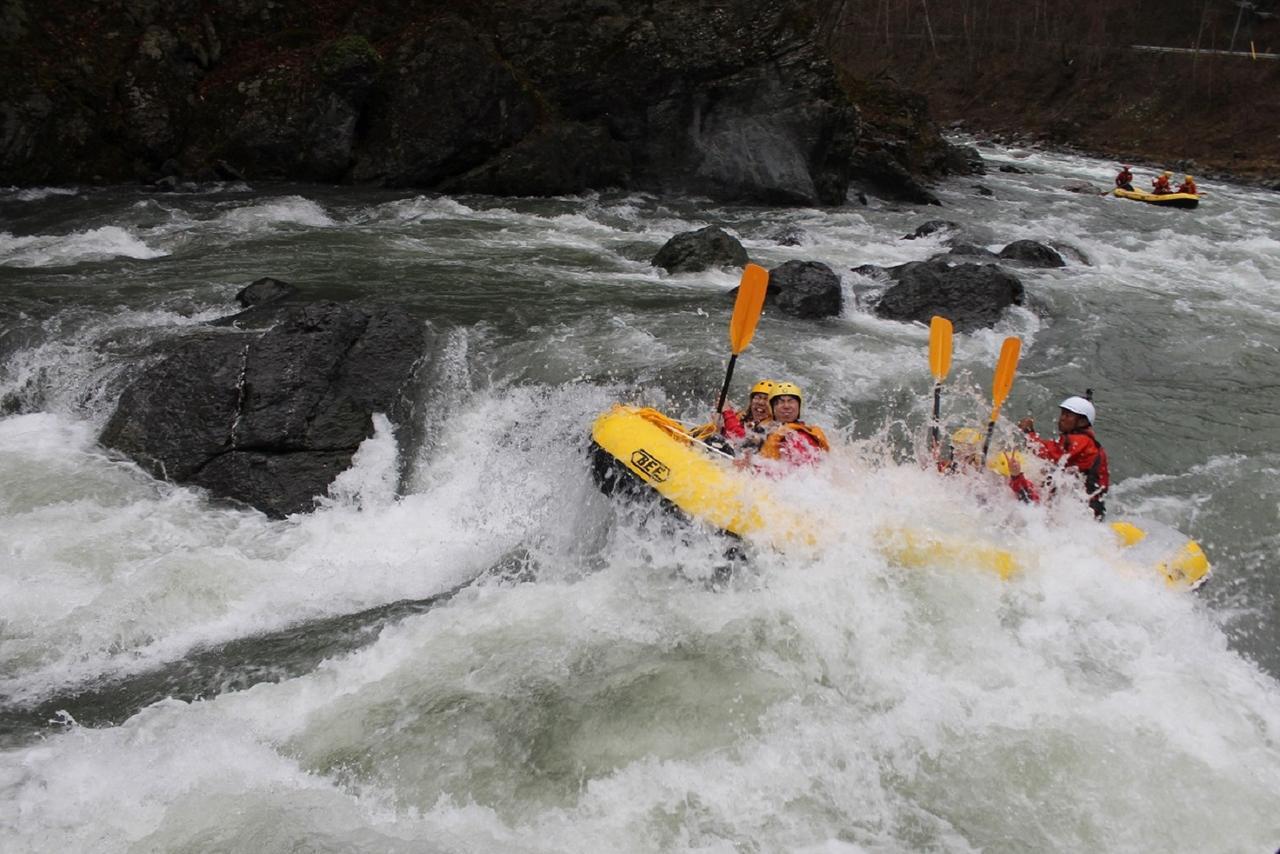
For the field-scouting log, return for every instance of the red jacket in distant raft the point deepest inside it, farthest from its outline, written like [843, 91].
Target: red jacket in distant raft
[1079, 450]
[1160, 185]
[1189, 186]
[1125, 179]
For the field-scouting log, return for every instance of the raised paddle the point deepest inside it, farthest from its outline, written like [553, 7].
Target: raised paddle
[1000, 385]
[940, 364]
[746, 314]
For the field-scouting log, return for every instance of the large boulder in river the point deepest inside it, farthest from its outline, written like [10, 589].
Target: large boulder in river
[971, 296]
[270, 417]
[807, 289]
[695, 251]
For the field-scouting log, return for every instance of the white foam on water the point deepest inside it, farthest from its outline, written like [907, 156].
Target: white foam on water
[38, 194]
[284, 211]
[62, 250]
[824, 698]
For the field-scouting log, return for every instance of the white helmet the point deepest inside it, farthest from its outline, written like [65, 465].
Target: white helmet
[1079, 406]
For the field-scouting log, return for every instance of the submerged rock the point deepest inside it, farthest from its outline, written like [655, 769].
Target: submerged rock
[270, 418]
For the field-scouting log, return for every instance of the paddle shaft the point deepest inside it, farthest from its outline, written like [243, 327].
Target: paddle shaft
[986, 443]
[935, 432]
[728, 377]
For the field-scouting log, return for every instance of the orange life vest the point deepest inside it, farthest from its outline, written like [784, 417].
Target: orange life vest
[811, 437]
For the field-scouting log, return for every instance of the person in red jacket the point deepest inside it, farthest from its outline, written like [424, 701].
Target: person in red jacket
[1160, 184]
[1076, 448]
[1188, 185]
[790, 440]
[747, 428]
[1124, 181]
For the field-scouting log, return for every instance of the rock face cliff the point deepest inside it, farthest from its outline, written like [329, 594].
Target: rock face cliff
[734, 99]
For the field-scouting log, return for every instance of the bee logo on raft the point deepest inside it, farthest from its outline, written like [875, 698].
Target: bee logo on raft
[650, 466]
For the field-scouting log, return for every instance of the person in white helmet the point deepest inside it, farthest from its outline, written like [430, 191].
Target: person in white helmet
[1076, 448]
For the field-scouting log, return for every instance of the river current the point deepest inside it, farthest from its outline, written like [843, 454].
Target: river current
[487, 654]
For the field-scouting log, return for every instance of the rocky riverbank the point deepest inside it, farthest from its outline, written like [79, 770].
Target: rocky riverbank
[737, 101]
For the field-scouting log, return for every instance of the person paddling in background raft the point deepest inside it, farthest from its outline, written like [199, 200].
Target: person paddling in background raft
[1188, 185]
[791, 440]
[966, 458]
[1160, 184]
[1076, 448]
[1124, 181]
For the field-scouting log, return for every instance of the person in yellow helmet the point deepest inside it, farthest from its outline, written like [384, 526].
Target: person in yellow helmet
[1160, 184]
[966, 457]
[749, 428]
[793, 441]
[1188, 185]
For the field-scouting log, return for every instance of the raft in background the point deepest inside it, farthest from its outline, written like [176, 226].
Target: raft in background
[1168, 200]
[639, 452]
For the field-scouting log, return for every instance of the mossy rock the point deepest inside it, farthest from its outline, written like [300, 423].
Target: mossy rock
[346, 54]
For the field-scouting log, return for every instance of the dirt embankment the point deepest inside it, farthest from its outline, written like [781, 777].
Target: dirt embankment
[1084, 75]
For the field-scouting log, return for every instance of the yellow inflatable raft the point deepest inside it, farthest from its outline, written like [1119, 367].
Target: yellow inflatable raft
[1168, 200]
[639, 451]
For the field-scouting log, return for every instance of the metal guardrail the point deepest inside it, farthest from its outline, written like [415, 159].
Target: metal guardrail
[1244, 54]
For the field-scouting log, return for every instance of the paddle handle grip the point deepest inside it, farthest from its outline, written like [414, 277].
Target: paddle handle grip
[724, 391]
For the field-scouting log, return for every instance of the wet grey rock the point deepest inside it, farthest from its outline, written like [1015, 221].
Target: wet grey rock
[695, 251]
[1084, 188]
[264, 290]
[983, 190]
[883, 172]
[806, 289]
[972, 296]
[933, 225]
[1072, 252]
[1032, 253]
[971, 251]
[565, 158]
[790, 235]
[1014, 170]
[964, 160]
[270, 418]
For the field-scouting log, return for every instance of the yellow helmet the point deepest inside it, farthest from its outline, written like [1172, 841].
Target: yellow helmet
[1189, 178]
[782, 388]
[1000, 462]
[763, 387]
[966, 436]
[1166, 174]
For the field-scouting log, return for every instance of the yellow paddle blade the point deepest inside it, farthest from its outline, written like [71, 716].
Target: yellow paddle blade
[1005, 368]
[939, 347]
[747, 306]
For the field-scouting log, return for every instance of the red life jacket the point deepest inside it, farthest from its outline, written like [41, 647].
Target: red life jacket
[1188, 187]
[1124, 179]
[1161, 185]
